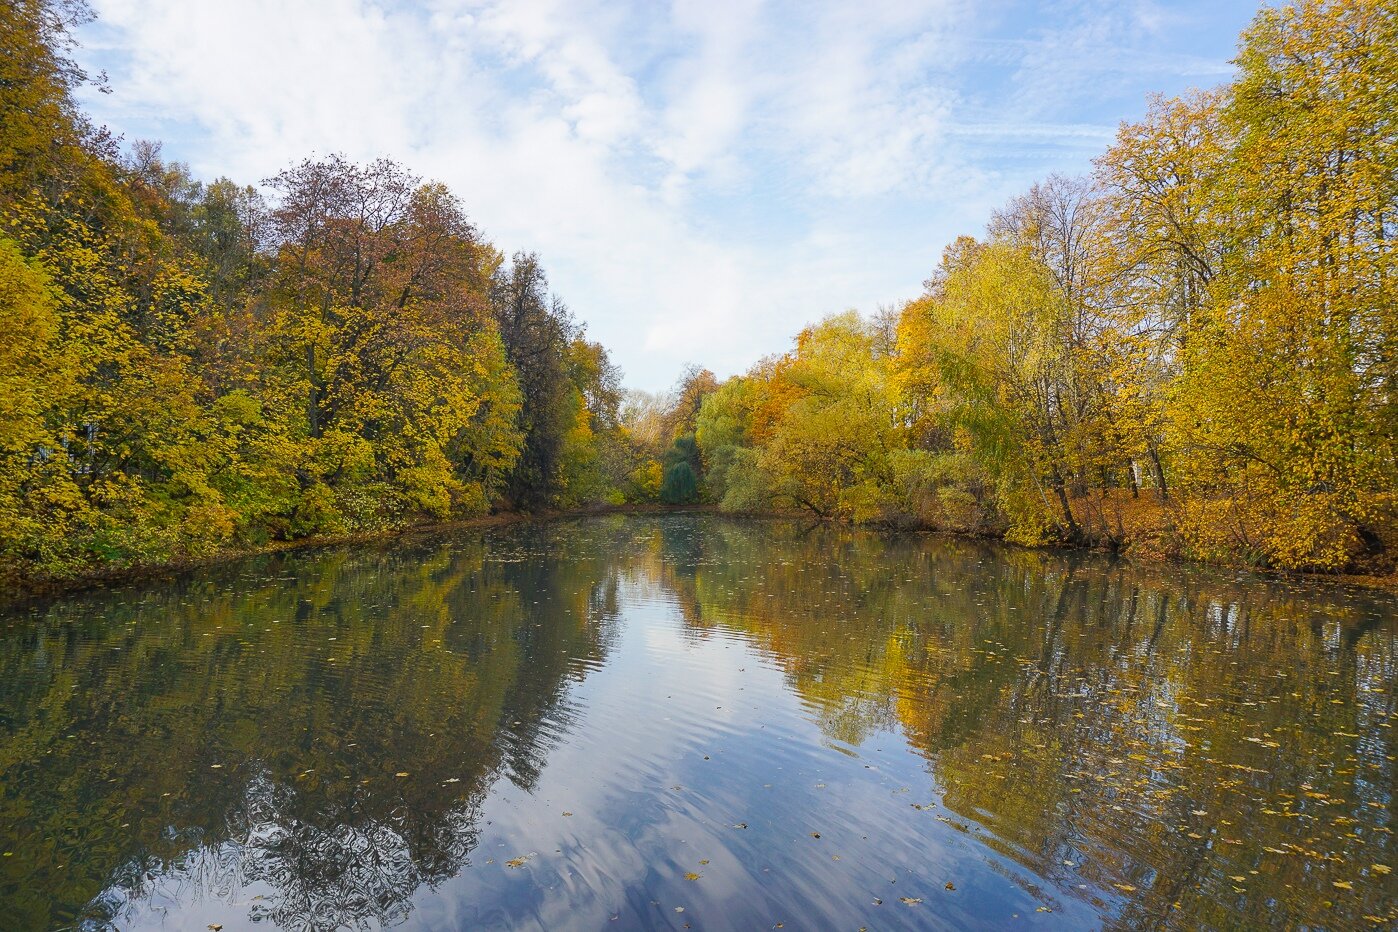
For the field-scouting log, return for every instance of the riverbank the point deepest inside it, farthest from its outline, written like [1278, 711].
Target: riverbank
[16, 586]
[1141, 539]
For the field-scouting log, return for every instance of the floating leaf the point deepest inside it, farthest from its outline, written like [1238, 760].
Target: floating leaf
[910, 900]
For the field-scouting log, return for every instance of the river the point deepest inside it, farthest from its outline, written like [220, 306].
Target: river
[687, 721]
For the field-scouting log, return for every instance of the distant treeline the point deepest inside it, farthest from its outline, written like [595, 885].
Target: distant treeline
[1192, 351]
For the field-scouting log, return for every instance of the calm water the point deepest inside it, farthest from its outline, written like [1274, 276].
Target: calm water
[688, 722]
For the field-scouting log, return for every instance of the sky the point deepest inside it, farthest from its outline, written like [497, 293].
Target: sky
[701, 178]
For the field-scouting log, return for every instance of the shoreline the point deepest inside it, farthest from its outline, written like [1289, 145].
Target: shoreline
[12, 591]
[58, 587]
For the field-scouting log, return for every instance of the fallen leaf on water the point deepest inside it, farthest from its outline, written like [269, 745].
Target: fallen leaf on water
[1125, 887]
[691, 876]
[518, 862]
[1381, 869]
[741, 825]
[567, 813]
[703, 862]
[910, 900]
[950, 885]
[401, 773]
[1342, 885]
[815, 834]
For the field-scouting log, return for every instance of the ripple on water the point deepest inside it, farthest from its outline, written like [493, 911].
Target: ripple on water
[658, 721]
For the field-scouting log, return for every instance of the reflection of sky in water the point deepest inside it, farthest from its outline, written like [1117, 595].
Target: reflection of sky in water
[660, 716]
[715, 739]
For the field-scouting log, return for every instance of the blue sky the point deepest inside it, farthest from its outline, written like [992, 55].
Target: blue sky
[702, 178]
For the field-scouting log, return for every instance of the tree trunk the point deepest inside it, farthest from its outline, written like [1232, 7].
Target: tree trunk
[1159, 473]
[1074, 532]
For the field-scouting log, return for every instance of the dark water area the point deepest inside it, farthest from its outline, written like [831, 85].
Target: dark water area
[692, 722]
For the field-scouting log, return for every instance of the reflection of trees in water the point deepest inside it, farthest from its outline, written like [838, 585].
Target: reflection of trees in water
[219, 751]
[1164, 732]
[1081, 711]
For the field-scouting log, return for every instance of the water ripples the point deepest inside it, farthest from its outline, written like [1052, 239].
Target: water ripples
[685, 721]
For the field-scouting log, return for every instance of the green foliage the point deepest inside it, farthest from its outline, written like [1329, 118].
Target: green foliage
[679, 486]
[721, 432]
[818, 427]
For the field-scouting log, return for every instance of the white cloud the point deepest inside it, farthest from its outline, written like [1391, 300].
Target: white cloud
[701, 178]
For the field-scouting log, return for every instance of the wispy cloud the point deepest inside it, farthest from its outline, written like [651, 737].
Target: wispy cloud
[702, 177]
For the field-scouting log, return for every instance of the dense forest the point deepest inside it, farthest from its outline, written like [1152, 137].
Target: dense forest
[1189, 352]
[197, 367]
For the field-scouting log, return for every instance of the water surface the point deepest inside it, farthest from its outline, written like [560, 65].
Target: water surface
[691, 722]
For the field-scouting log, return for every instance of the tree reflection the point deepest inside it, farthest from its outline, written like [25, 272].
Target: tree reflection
[318, 729]
[1177, 746]
[312, 736]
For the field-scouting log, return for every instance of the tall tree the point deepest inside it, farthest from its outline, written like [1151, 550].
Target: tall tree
[538, 332]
